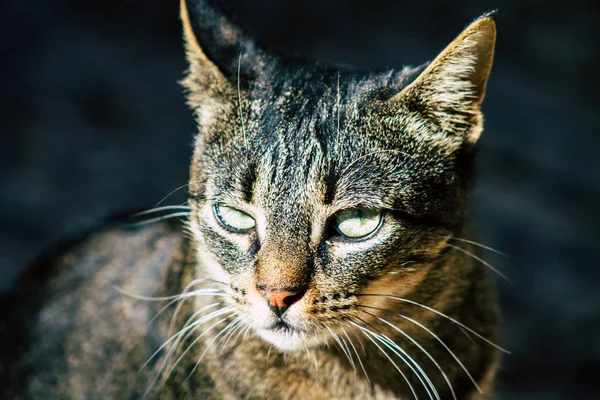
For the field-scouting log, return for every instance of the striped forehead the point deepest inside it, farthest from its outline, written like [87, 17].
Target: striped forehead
[289, 178]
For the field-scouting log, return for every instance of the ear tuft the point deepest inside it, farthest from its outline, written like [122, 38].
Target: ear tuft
[465, 64]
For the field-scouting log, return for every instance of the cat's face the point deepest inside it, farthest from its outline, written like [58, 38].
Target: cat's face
[311, 186]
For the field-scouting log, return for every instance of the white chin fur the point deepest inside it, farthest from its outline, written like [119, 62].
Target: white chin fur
[284, 340]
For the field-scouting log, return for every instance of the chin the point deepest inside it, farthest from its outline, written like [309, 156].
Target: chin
[286, 339]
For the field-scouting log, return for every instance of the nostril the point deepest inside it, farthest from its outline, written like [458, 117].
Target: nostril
[293, 297]
[279, 300]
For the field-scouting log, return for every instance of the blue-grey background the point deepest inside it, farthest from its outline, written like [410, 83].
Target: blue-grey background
[92, 122]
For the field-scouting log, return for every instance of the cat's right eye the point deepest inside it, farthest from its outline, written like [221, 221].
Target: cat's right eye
[234, 220]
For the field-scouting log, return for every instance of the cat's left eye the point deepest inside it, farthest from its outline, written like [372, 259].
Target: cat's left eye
[356, 223]
[234, 220]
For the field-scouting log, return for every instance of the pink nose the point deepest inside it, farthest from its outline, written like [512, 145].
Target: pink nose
[280, 300]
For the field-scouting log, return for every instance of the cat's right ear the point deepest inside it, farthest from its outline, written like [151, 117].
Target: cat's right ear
[206, 71]
[221, 57]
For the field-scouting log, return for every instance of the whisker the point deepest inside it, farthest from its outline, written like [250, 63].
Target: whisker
[336, 338]
[239, 69]
[241, 331]
[186, 296]
[481, 260]
[175, 345]
[186, 289]
[367, 334]
[158, 219]
[227, 327]
[173, 299]
[196, 341]
[357, 356]
[246, 332]
[433, 310]
[269, 354]
[191, 325]
[351, 359]
[307, 359]
[394, 347]
[159, 209]
[170, 193]
[187, 327]
[165, 298]
[180, 301]
[420, 348]
[238, 327]
[479, 245]
[446, 347]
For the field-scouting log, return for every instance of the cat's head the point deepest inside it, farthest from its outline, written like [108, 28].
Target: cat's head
[311, 185]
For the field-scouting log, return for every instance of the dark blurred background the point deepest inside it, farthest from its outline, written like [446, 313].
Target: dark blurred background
[93, 122]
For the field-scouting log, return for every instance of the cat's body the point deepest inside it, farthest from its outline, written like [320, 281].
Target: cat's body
[328, 247]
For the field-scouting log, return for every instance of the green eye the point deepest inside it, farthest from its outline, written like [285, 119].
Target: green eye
[357, 222]
[233, 219]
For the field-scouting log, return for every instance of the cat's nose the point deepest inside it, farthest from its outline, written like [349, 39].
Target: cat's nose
[279, 300]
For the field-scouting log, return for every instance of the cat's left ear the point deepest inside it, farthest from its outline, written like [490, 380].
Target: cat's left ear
[450, 90]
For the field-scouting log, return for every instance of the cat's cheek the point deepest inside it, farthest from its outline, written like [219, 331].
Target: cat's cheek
[209, 267]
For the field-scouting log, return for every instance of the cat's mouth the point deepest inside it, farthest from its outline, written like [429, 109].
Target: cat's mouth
[281, 326]
[283, 335]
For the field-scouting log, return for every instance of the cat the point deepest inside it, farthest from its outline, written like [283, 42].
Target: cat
[326, 250]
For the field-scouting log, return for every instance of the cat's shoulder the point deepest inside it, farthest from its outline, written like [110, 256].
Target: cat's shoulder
[72, 316]
[111, 255]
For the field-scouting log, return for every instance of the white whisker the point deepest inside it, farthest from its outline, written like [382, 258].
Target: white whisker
[357, 356]
[481, 260]
[419, 372]
[159, 209]
[337, 339]
[446, 347]
[158, 219]
[186, 290]
[239, 69]
[420, 348]
[196, 341]
[479, 245]
[165, 298]
[368, 333]
[412, 364]
[269, 354]
[348, 352]
[187, 327]
[174, 346]
[238, 327]
[170, 193]
[433, 310]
